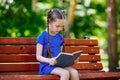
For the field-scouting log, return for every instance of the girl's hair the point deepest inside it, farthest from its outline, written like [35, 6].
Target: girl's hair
[52, 15]
[55, 14]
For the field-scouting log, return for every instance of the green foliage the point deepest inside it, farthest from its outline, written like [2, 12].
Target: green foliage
[118, 26]
[90, 19]
[18, 20]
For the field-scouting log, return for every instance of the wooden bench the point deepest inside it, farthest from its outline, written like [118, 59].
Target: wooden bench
[18, 60]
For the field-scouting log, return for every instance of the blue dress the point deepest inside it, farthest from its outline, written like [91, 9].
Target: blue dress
[55, 43]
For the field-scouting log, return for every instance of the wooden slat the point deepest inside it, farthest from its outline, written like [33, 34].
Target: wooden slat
[78, 42]
[33, 67]
[83, 76]
[32, 58]
[36, 72]
[29, 77]
[21, 72]
[18, 58]
[32, 49]
[85, 49]
[100, 76]
[89, 58]
[88, 66]
[18, 49]
[19, 67]
[8, 40]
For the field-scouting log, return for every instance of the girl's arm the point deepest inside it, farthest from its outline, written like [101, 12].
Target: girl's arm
[40, 58]
[61, 48]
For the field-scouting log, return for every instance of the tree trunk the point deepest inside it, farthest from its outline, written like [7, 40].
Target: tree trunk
[34, 2]
[70, 18]
[112, 35]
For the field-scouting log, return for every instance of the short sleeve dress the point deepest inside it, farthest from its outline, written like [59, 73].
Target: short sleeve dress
[55, 43]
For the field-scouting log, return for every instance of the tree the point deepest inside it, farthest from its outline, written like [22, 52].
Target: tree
[34, 2]
[112, 35]
[70, 18]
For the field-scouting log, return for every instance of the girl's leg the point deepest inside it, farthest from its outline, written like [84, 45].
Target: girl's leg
[74, 75]
[63, 73]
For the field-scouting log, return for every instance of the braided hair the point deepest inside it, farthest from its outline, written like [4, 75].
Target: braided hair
[52, 15]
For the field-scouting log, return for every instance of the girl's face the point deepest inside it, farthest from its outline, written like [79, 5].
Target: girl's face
[56, 26]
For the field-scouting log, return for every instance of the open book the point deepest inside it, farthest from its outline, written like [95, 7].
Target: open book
[67, 59]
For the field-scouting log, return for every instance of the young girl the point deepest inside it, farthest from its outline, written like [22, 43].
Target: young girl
[50, 44]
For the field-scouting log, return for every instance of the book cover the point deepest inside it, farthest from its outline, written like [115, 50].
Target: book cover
[67, 59]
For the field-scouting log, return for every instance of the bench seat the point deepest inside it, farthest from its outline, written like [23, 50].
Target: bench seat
[83, 76]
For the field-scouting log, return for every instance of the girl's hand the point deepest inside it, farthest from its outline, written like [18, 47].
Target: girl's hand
[77, 60]
[52, 61]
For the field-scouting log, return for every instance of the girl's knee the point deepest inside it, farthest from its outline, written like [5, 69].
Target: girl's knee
[65, 73]
[74, 72]
[74, 75]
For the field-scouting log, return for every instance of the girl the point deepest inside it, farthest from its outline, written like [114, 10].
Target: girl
[49, 45]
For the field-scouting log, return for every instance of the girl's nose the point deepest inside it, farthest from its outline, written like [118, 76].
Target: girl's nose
[57, 29]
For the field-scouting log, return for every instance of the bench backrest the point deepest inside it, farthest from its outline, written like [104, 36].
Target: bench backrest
[18, 54]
